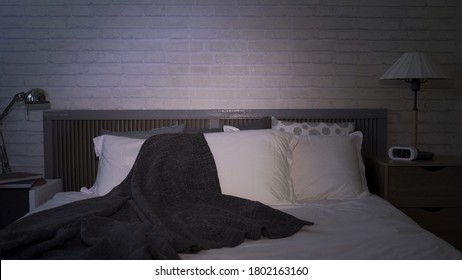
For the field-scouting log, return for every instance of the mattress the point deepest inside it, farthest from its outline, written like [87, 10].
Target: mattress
[363, 228]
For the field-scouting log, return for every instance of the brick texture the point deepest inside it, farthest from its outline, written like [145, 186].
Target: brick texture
[155, 54]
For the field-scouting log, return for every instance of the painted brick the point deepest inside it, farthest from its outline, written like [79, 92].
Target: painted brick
[137, 54]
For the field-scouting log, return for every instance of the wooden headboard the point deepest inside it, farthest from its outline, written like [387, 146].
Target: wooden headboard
[69, 152]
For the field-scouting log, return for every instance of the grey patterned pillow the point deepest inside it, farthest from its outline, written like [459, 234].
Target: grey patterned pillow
[313, 128]
[146, 134]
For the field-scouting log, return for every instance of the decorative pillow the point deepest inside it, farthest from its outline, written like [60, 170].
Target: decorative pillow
[313, 128]
[254, 164]
[263, 123]
[116, 157]
[328, 167]
[146, 134]
[203, 130]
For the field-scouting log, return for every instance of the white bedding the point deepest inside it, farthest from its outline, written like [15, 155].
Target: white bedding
[363, 228]
[62, 198]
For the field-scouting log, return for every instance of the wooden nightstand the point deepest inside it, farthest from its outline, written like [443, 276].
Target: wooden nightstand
[15, 203]
[428, 191]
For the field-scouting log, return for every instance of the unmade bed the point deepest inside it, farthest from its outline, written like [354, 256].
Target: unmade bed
[306, 165]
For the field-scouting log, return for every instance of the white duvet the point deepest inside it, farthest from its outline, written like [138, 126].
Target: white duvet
[364, 228]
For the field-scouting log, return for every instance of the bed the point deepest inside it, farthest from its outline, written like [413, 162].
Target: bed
[289, 168]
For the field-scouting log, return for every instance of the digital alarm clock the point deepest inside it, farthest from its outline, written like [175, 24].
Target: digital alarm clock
[403, 153]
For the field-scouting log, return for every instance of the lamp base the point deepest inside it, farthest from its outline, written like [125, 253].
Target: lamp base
[422, 155]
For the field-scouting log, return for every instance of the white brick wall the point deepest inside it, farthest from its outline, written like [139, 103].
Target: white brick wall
[150, 54]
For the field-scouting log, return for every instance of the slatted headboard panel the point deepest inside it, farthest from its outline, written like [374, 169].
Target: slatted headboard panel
[68, 134]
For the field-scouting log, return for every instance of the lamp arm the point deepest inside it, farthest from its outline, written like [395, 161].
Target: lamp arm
[6, 168]
[3, 155]
[18, 97]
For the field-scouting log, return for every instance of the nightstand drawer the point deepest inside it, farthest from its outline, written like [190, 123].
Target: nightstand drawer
[425, 186]
[444, 222]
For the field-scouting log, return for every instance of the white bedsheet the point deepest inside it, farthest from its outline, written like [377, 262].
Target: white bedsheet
[62, 198]
[365, 228]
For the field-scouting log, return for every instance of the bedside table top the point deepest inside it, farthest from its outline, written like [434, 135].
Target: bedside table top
[436, 161]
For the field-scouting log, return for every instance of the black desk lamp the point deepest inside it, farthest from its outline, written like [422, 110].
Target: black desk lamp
[33, 96]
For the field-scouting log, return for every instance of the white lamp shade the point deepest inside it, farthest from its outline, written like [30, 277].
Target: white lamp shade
[414, 66]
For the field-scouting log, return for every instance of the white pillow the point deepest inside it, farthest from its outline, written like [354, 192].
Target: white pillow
[328, 167]
[254, 164]
[229, 128]
[117, 155]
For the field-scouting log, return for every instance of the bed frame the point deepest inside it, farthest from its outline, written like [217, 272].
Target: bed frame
[68, 134]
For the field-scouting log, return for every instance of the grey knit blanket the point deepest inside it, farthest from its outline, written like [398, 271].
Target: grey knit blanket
[170, 203]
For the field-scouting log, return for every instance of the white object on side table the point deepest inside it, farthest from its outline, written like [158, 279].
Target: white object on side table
[41, 194]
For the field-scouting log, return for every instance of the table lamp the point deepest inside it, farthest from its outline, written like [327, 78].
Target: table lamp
[415, 68]
[33, 96]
